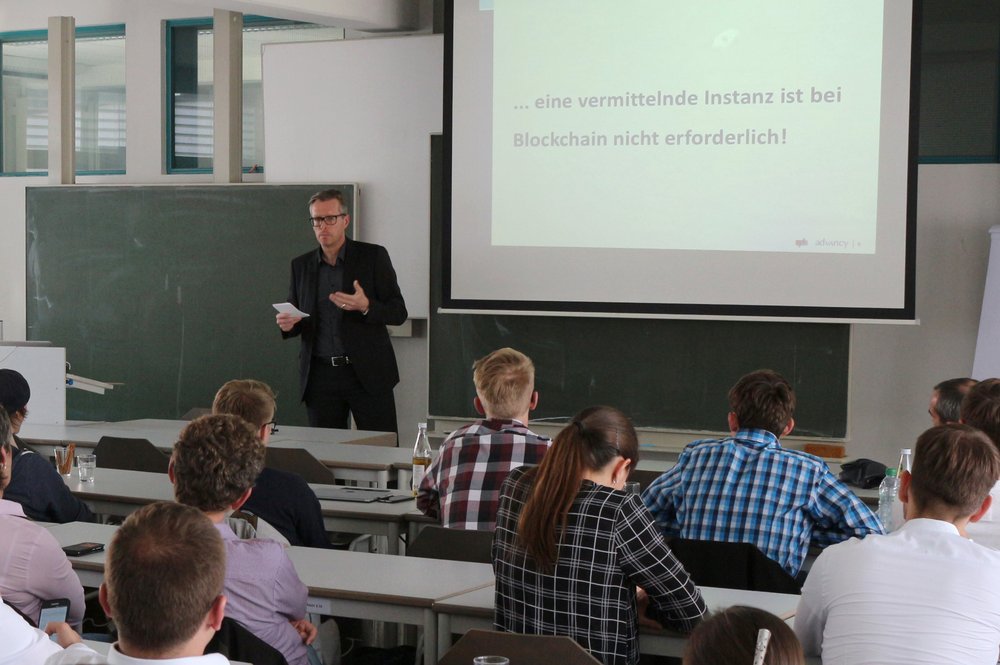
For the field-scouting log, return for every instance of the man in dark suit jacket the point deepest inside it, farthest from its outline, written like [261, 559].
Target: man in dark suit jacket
[349, 290]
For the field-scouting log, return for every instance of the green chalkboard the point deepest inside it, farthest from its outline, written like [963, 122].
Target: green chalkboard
[167, 290]
[664, 373]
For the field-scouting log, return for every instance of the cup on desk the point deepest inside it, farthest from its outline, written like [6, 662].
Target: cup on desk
[491, 660]
[64, 460]
[87, 465]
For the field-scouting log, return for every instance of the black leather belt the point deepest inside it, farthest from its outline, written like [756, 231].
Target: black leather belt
[336, 361]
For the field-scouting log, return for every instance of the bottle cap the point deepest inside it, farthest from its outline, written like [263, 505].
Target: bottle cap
[891, 471]
[905, 451]
[421, 425]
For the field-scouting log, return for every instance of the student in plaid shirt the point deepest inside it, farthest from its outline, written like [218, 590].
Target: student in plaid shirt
[575, 555]
[747, 488]
[463, 483]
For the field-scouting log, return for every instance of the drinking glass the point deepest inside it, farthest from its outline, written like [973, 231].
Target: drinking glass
[87, 464]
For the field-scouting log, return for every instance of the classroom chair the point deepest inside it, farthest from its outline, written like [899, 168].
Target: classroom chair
[644, 478]
[519, 649]
[732, 566]
[437, 542]
[195, 412]
[298, 461]
[235, 641]
[130, 454]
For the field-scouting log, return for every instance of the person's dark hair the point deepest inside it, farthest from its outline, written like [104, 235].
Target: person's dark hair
[730, 637]
[6, 436]
[14, 391]
[981, 408]
[215, 460]
[166, 565]
[954, 468]
[330, 195]
[596, 436]
[763, 400]
[251, 400]
[950, 394]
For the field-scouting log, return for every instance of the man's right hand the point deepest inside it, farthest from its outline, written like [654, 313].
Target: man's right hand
[287, 321]
[64, 634]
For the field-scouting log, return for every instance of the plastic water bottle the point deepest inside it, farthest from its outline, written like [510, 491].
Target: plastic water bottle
[905, 464]
[888, 499]
[421, 457]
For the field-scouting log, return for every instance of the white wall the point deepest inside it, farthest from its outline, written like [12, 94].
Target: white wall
[893, 368]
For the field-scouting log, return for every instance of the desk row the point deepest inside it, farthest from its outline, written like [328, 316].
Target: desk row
[441, 597]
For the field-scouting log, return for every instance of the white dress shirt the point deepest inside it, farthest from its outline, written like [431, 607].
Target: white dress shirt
[82, 655]
[920, 595]
[23, 644]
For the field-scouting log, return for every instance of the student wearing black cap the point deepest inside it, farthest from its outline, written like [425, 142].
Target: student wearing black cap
[34, 482]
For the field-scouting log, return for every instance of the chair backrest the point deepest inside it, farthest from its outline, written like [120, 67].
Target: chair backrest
[234, 641]
[437, 542]
[519, 649]
[644, 477]
[195, 412]
[299, 461]
[732, 566]
[130, 454]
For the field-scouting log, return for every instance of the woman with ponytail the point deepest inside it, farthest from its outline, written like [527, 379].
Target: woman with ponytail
[571, 547]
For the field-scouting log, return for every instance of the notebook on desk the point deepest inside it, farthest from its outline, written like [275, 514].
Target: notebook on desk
[356, 494]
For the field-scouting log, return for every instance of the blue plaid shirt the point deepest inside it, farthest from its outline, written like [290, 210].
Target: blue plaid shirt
[747, 488]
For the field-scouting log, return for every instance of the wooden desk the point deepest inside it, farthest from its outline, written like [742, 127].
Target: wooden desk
[353, 584]
[474, 609]
[119, 492]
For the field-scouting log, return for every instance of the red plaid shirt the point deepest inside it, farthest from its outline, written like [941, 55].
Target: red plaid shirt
[462, 485]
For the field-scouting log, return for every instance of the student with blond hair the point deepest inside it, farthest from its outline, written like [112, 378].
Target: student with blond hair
[463, 482]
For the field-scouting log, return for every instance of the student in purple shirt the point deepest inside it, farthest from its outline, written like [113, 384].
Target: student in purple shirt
[213, 468]
[32, 567]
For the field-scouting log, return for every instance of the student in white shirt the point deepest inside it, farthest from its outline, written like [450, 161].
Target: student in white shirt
[163, 587]
[23, 644]
[924, 594]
